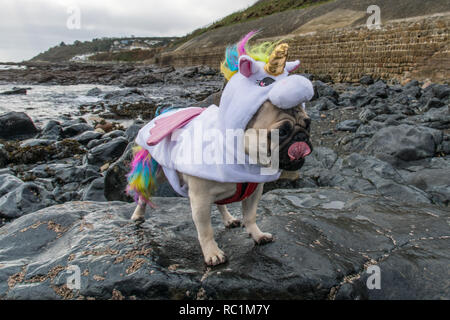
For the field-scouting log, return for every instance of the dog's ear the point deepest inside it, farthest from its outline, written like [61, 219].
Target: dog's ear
[291, 66]
[247, 66]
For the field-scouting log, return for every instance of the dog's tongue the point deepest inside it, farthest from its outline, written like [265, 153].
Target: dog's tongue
[298, 150]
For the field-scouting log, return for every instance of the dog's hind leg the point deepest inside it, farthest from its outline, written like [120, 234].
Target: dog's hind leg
[139, 212]
[228, 220]
[249, 207]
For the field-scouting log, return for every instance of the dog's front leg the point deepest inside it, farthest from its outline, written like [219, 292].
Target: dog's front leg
[201, 214]
[249, 207]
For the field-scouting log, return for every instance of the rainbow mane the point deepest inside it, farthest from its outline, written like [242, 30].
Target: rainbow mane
[142, 177]
[259, 52]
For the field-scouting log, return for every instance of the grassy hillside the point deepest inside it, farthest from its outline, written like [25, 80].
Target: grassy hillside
[280, 21]
[64, 52]
[260, 9]
[126, 56]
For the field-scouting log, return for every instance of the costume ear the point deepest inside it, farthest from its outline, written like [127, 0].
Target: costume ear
[292, 66]
[247, 66]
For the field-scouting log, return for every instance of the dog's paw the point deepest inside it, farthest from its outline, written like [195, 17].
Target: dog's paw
[138, 218]
[215, 257]
[232, 223]
[263, 238]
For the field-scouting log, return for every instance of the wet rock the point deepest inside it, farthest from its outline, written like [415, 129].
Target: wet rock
[94, 92]
[107, 152]
[8, 183]
[441, 91]
[36, 143]
[324, 237]
[132, 131]
[52, 130]
[435, 182]
[433, 103]
[16, 125]
[136, 81]
[115, 176]
[76, 129]
[27, 197]
[114, 134]
[206, 71]
[87, 136]
[323, 90]
[65, 174]
[94, 143]
[436, 118]
[359, 98]
[324, 103]
[366, 115]
[404, 143]
[123, 93]
[348, 125]
[95, 191]
[378, 89]
[4, 157]
[15, 91]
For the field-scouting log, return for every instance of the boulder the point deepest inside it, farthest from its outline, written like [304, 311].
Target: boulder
[76, 129]
[16, 125]
[378, 89]
[27, 197]
[87, 136]
[323, 90]
[8, 183]
[52, 130]
[107, 152]
[435, 182]
[404, 143]
[95, 191]
[326, 243]
[94, 92]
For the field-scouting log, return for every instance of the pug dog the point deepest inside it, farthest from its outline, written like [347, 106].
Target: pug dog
[263, 100]
[293, 127]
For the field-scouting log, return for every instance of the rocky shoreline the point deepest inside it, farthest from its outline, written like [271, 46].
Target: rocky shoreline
[375, 191]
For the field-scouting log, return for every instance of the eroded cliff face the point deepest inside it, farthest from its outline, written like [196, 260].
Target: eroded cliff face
[402, 49]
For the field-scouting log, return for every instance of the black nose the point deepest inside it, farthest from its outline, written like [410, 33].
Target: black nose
[300, 136]
[307, 123]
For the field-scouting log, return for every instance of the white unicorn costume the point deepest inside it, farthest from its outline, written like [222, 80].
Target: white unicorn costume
[202, 146]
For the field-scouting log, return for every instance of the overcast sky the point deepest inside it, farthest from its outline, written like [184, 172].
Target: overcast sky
[28, 27]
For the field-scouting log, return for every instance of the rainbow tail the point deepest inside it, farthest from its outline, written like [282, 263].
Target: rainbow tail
[142, 177]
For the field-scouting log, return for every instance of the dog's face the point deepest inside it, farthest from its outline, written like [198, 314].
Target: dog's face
[293, 126]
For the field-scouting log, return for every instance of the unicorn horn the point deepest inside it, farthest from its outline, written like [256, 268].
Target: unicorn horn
[277, 60]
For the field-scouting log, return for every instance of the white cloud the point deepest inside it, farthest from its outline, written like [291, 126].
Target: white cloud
[28, 27]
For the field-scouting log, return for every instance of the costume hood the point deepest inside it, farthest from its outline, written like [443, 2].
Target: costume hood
[251, 84]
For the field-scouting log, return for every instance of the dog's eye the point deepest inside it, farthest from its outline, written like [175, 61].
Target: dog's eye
[284, 130]
[265, 82]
